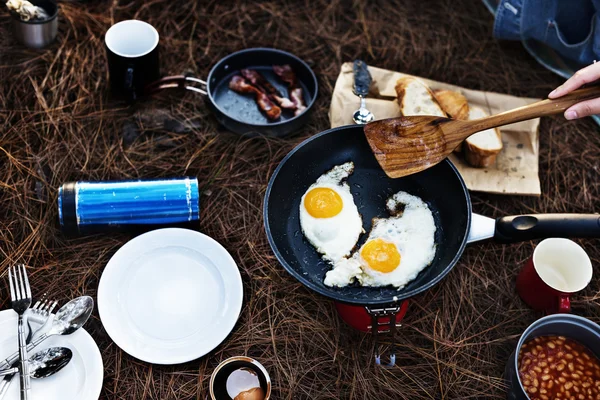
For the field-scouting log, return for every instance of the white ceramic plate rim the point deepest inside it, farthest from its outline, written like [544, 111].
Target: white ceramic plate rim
[84, 344]
[114, 320]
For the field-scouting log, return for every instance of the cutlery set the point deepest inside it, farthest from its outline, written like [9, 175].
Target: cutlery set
[31, 327]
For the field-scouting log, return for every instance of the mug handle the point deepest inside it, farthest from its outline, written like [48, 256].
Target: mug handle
[129, 82]
[564, 304]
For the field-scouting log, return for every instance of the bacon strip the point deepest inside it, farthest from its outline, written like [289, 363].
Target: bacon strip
[298, 100]
[287, 74]
[240, 85]
[255, 78]
[284, 102]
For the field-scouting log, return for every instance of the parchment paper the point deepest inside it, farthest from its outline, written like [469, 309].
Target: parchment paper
[516, 168]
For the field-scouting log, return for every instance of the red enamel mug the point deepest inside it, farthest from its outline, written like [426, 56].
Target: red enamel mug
[558, 269]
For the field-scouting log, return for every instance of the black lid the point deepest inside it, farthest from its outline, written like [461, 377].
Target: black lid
[67, 202]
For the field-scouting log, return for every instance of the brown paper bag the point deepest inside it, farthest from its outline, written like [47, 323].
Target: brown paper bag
[516, 168]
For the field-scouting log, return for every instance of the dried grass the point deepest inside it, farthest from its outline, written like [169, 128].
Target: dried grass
[57, 124]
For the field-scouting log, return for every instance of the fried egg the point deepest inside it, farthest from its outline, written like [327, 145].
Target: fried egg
[397, 249]
[329, 218]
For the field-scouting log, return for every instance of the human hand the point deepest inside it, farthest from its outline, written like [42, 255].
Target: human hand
[585, 75]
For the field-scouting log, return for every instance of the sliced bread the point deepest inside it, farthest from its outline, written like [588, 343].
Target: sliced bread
[482, 148]
[455, 105]
[415, 98]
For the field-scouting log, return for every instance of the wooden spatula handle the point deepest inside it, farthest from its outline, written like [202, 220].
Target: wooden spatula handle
[536, 110]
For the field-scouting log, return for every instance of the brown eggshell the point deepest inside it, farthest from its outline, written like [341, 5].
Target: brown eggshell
[252, 394]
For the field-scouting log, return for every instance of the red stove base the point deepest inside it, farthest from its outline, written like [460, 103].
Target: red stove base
[359, 318]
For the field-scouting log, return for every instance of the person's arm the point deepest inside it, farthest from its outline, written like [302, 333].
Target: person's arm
[585, 75]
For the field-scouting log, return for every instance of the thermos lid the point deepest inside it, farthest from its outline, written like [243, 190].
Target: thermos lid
[67, 210]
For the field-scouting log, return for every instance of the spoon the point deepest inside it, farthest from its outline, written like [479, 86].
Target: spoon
[407, 145]
[67, 320]
[42, 364]
[362, 82]
[10, 371]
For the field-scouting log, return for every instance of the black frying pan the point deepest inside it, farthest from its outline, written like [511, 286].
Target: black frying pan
[441, 187]
[239, 113]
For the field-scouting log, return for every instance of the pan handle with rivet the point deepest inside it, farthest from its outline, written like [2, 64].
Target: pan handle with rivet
[177, 81]
[538, 226]
[519, 228]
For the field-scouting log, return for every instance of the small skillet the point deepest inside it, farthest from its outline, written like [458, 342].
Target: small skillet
[239, 113]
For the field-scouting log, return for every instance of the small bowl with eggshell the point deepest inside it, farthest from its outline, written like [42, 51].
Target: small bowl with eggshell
[240, 378]
[556, 357]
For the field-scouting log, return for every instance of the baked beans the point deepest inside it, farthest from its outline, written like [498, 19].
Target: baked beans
[554, 367]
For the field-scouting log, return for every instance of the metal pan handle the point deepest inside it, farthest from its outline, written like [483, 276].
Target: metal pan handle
[177, 81]
[395, 315]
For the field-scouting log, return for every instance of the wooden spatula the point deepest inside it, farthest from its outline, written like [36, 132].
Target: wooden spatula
[406, 145]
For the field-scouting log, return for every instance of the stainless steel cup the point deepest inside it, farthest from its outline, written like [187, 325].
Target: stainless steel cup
[37, 34]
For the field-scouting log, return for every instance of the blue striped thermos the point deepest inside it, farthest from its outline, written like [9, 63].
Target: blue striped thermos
[88, 207]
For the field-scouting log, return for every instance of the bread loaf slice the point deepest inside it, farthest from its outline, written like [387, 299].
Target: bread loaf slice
[455, 104]
[482, 148]
[415, 98]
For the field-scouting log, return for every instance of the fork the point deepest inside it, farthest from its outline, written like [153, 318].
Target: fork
[39, 314]
[20, 295]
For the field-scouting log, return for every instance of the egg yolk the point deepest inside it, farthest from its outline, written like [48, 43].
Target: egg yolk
[323, 203]
[380, 255]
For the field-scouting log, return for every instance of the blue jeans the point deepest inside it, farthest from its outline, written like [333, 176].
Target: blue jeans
[570, 27]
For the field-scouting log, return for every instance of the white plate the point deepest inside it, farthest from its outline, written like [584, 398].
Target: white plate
[170, 296]
[81, 379]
